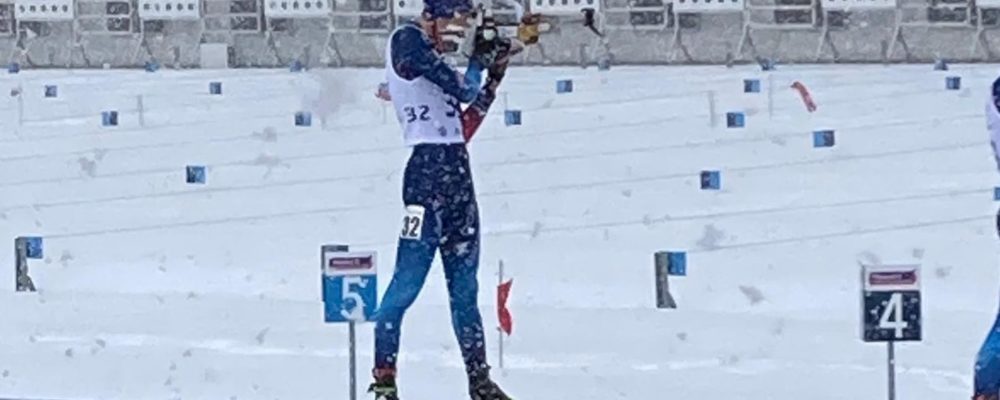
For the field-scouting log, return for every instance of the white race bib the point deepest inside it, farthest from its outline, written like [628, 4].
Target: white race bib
[413, 223]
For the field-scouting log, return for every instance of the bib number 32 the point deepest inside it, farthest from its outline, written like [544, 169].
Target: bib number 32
[413, 223]
[419, 112]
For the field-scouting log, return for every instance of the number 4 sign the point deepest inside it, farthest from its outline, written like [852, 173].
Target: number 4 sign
[890, 309]
[891, 303]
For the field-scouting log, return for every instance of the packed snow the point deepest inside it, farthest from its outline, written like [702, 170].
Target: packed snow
[152, 288]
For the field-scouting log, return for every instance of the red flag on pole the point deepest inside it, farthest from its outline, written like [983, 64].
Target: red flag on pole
[503, 314]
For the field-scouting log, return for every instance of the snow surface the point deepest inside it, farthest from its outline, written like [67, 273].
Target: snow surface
[154, 289]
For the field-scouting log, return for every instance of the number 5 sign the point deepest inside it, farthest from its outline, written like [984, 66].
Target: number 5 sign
[891, 303]
[350, 285]
[350, 294]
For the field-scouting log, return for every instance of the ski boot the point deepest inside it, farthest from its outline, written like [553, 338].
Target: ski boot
[481, 387]
[384, 386]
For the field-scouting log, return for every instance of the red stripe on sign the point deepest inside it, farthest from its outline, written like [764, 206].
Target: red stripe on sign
[893, 278]
[351, 263]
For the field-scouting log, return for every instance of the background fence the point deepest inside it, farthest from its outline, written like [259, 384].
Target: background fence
[271, 33]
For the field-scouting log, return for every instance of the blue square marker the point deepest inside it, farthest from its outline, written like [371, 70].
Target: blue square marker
[604, 64]
[33, 248]
[953, 83]
[152, 66]
[766, 64]
[996, 193]
[303, 118]
[940, 65]
[195, 174]
[735, 120]
[512, 117]
[51, 91]
[297, 66]
[564, 86]
[677, 263]
[13, 68]
[711, 180]
[215, 88]
[751, 86]
[109, 118]
[824, 138]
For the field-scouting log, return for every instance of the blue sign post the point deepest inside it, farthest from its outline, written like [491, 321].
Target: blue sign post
[668, 263]
[350, 294]
[25, 248]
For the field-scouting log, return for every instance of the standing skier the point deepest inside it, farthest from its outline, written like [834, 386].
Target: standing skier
[987, 372]
[438, 194]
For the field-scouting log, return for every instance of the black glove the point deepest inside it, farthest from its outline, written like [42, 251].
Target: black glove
[497, 71]
[489, 48]
[502, 59]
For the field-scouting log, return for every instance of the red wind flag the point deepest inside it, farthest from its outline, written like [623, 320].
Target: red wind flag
[804, 94]
[503, 314]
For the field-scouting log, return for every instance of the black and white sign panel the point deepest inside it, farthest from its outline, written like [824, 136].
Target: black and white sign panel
[891, 303]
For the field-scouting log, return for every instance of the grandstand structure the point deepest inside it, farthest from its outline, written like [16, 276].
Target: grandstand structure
[275, 33]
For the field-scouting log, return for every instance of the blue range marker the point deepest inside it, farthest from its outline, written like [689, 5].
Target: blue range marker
[604, 64]
[33, 248]
[824, 138]
[303, 118]
[512, 117]
[941, 65]
[195, 174]
[766, 64]
[109, 118]
[735, 120]
[564, 86]
[677, 263]
[953, 83]
[711, 180]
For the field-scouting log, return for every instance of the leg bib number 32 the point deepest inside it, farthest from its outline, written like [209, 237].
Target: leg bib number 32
[413, 223]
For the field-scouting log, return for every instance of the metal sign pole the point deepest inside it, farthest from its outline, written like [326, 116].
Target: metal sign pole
[891, 362]
[712, 122]
[20, 264]
[661, 265]
[25, 248]
[20, 105]
[499, 329]
[141, 107]
[770, 96]
[353, 363]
